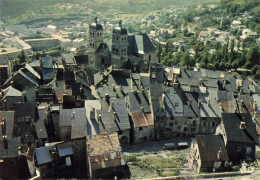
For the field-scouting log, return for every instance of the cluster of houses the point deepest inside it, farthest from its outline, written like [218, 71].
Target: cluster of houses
[70, 117]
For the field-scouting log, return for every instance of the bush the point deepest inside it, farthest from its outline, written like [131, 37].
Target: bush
[130, 158]
[235, 168]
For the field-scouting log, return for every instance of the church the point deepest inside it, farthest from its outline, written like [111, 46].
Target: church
[121, 49]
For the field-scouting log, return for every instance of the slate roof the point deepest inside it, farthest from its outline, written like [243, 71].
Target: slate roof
[68, 58]
[232, 122]
[35, 63]
[39, 125]
[92, 124]
[22, 74]
[11, 91]
[138, 100]
[48, 73]
[140, 43]
[173, 102]
[189, 78]
[81, 59]
[224, 95]
[47, 62]
[107, 123]
[209, 107]
[25, 109]
[211, 148]
[31, 70]
[76, 119]
[13, 142]
[191, 110]
[104, 48]
[43, 154]
[245, 103]
[64, 149]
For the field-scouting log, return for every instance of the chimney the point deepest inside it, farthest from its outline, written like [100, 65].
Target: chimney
[208, 100]
[72, 116]
[5, 105]
[140, 82]
[114, 87]
[199, 103]
[224, 84]
[114, 116]
[254, 106]
[107, 98]
[189, 103]
[111, 106]
[142, 108]
[200, 81]
[242, 125]
[175, 78]
[163, 98]
[131, 82]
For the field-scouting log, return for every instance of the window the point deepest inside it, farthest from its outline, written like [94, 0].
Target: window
[204, 124]
[185, 129]
[176, 122]
[119, 132]
[194, 123]
[140, 128]
[176, 104]
[213, 124]
[168, 129]
[91, 60]
[149, 57]
[172, 118]
[189, 117]
[18, 119]
[103, 61]
[170, 124]
[27, 120]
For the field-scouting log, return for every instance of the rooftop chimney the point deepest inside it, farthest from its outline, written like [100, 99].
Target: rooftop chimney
[189, 102]
[163, 98]
[111, 106]
[199, 103]
[107, 98]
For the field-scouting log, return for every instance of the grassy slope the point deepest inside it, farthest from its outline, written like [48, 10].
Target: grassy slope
[16, 11]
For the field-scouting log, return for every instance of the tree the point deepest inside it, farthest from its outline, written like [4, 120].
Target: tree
[22, 57]
[252, 55]
[185, 32]
[159, 52]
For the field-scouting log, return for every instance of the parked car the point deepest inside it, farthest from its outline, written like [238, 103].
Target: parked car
[169, 146]
[182, 145]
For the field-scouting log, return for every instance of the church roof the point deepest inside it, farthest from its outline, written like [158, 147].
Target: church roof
[140, 43]
[120, 31]
[96, 26]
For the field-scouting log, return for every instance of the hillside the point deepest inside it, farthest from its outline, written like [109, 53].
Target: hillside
[30, 11]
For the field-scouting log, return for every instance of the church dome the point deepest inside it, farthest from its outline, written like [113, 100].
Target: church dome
[95, 26]
[120, 31]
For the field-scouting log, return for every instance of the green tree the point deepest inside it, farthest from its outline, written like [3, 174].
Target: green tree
[22, 57]
[185, 32]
